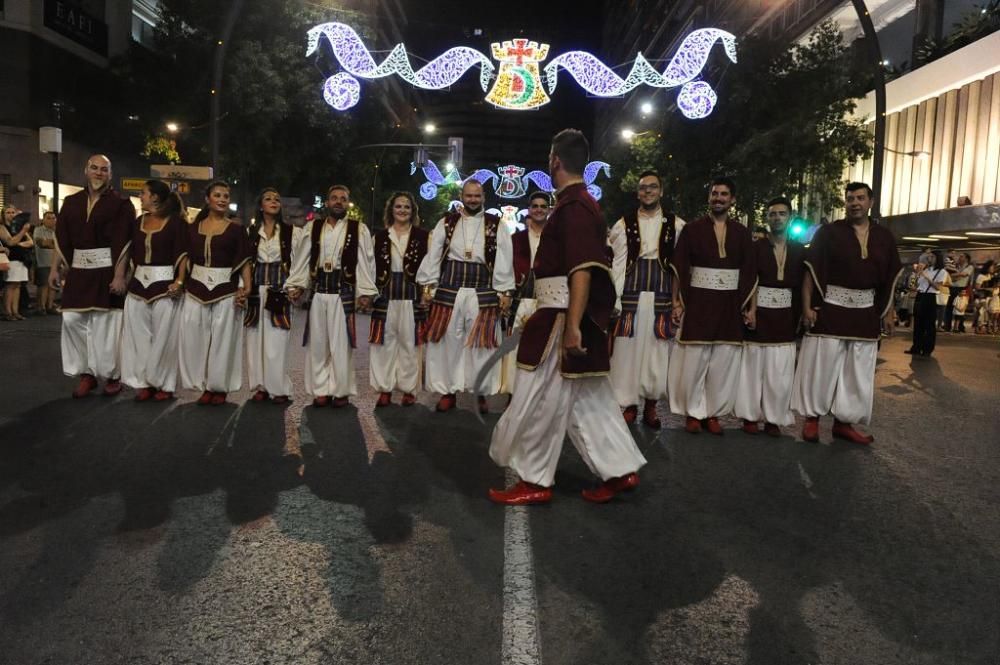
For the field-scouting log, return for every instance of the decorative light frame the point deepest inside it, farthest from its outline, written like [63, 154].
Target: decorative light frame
[508, 182]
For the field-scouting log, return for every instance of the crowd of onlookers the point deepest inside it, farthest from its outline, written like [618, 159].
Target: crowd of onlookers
[26, 252]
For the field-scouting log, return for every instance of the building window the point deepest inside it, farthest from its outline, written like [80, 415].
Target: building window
[145, 17]
[5, 192]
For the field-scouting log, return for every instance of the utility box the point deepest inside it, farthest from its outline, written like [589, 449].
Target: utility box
[50, 139]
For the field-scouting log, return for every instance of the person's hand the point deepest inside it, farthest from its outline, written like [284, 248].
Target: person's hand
[750, 318]
[505, 302]
[364, 303]
[175, 289]
[241, 297]
[118, 285]
[809, 318]
[54, 279]
[889, 324]
[294, 293]
[677, 314]
[573, 341]
[426, 297]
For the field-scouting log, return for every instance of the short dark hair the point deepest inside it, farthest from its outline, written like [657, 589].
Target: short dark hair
[780, 200]
[343, 188]
[539, 194]
[725, 181]
[855, 186]
[651, 172]
[572, 149]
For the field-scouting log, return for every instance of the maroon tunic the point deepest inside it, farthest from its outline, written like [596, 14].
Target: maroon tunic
[574, 238]
[834, 258]
[711, 316]
[229, 249]
[166, 247]
[521, 244]
[108, 225]
[778, 326]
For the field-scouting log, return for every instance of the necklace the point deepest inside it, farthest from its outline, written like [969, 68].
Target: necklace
[780, 257]
[465, 240]
[863, 240]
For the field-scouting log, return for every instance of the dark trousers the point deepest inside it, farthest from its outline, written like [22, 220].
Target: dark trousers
[924, 323]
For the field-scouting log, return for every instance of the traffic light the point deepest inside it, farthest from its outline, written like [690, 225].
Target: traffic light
[420, 157]
[455, 150]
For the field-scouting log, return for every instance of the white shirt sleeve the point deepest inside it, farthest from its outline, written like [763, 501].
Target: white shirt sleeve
[429, 272]
[619, 248]
[365, 282]
[503, 268]
[298, 274]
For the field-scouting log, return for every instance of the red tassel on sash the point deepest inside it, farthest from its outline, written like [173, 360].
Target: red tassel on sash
[376, 333]
[437, 322]
[484, 330]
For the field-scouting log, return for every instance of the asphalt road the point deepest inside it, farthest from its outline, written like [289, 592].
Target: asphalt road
[252, 533]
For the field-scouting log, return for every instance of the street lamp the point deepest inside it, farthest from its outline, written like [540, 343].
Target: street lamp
[172, 127]
[646, 108]
[430, 128]
[628, 134]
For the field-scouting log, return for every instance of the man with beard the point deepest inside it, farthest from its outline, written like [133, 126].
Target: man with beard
[467, 279]
[333, 256]
[847, 294]
[714, 278]
[767, 366]
[562, 385]
[92, 236]
[643, 242]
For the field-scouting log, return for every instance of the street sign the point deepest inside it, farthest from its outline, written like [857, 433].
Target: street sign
[181, 187]
[133, 184]
[179, 172]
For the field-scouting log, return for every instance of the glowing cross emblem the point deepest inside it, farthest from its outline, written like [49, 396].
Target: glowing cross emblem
[519, 83]
[511, 183]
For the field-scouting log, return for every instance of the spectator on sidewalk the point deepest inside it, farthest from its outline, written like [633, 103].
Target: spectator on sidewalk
[45, 243]
[960, 279]
[19, 245]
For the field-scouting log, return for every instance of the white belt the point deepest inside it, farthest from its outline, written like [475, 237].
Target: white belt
[774, 298]
[552, 292]
[89, 259]
[717, 279]
[851, 298]
[211, 277]
[148, 275]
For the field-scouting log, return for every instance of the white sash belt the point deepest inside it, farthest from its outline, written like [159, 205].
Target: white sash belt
[148, 275]
[89, 259]
[716, 279]
[774, 298]
[552, 292]
[851, 298]
[211, 277]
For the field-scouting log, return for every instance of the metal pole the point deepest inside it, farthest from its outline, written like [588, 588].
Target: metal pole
[220, 56]
[56, 122]
[878, 154]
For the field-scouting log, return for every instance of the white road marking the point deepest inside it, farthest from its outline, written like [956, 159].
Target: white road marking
[521, 644]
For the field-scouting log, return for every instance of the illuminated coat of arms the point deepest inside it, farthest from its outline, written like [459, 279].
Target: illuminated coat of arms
[519, 83]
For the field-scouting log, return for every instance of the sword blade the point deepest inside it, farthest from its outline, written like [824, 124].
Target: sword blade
[506, 346]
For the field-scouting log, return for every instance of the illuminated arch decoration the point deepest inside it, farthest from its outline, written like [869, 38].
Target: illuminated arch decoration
[518, 84]
[508, 182]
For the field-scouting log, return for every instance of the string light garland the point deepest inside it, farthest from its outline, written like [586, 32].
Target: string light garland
[508, 182]
[517, 85]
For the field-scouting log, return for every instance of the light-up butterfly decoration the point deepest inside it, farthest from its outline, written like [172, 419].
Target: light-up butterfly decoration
[508, 182]
[518, 85]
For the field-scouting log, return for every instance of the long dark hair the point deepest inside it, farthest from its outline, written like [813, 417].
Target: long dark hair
[387, 218]
[259, 215]
[171, 204]
[203, 213]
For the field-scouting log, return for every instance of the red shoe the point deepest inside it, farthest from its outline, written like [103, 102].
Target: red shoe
[144, 395]
[384, 399]
[629, 413]
[218, 399]
[321, 400]
[750, 427]
[713, 426]
[848, 433]
[408, 399]
[772, 430]
[610, 488]
[625, 483]
[260, 396]
[521, 494]
[446, 403]
[810, 430]
[279, 399]
[649, 417]
[483, 406]
[163, 395]
[112, 387]
[206, 398]
[339, 402]
[692, 425]
[87, 383]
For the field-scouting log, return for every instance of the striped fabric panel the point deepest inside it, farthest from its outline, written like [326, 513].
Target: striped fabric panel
[270, 274]
[459, 275]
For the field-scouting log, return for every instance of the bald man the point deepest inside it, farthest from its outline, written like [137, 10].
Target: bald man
[92, 237]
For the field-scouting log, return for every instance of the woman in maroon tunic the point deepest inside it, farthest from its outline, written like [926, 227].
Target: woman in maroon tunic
[211, 338]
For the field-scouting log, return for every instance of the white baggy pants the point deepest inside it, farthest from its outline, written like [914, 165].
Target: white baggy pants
[702, 379]
[150, 344]
[545, 408]
[451, 366]
[329, 358]
[267, 350]
[640, 364]
[835, 376]
[211, 345]
[395, 363]
[91, 342]
[764, 390]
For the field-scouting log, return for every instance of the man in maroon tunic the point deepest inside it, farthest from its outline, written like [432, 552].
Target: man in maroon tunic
[847, 292]
[562, 382]
[92, 236]
[714, 279]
